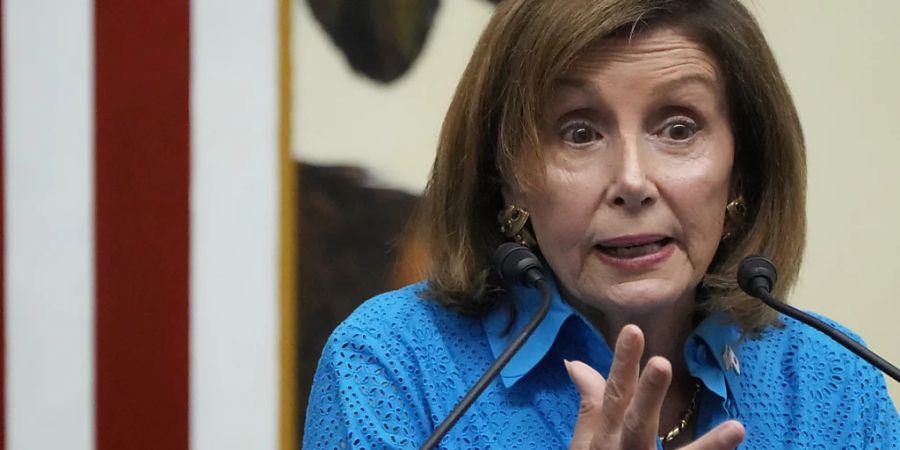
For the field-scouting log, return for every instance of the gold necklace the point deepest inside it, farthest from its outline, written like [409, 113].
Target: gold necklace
[682, 424]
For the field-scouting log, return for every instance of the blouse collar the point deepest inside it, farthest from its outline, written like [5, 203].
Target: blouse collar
[710, 351]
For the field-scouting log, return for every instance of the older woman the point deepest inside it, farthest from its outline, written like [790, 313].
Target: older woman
[643, 148]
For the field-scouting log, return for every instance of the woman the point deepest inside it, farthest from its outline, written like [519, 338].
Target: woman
[643, 148]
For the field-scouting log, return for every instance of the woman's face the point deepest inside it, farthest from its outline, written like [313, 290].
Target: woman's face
[638, 153]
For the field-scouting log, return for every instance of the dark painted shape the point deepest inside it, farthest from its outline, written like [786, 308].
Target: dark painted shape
[380, 38]
[347, 248]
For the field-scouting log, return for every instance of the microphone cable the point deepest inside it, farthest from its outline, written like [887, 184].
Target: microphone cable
[515, 264]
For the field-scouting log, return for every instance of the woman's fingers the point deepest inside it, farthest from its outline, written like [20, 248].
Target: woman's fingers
[623, 377]
[623, 411]
[726, 436]
[641, 422]
[591, 386]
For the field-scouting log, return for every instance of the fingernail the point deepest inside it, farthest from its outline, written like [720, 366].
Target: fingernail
[568, 365]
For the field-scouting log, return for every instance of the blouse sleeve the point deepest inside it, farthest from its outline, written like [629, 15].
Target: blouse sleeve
[363, 396]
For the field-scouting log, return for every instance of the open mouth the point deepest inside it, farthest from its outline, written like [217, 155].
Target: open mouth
[634, 251]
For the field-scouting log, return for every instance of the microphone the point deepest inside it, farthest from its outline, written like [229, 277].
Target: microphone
[757, 276]
[515, 264]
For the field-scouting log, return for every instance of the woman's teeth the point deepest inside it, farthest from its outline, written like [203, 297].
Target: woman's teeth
[635, 250]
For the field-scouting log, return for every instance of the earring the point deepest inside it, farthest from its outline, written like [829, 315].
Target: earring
[514, 225]
[734, 217]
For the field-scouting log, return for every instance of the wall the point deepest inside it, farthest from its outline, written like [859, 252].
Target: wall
[840, 61]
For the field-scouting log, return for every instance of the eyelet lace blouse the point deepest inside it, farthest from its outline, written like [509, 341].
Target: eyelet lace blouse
[395, 368]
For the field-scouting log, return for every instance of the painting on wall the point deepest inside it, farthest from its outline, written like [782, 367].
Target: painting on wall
[372, 81]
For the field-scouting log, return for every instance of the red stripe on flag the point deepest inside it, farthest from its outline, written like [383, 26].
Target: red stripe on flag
[142, 63]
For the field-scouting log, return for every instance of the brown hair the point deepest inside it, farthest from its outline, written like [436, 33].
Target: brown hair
[489, 138]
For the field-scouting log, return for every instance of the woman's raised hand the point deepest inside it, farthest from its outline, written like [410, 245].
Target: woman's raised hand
[623, 412]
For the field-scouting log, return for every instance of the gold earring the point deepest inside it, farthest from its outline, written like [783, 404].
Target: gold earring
[514, 225]
[734, 217]
[736, 208]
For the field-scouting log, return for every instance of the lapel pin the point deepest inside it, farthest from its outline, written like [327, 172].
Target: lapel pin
[730, 360]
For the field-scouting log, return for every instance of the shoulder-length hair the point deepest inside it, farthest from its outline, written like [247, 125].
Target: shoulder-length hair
[490, 138]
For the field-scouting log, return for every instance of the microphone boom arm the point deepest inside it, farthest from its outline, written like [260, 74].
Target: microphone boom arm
[841, 338]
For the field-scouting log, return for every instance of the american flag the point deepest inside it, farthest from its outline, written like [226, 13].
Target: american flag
[147, 269]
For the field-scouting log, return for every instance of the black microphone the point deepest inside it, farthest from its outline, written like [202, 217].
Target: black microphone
[514, 264]
[757, 277]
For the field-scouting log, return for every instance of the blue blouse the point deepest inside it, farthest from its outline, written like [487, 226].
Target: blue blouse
[398, 365]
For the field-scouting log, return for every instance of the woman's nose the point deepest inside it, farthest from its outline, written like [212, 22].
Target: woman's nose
[631, 188]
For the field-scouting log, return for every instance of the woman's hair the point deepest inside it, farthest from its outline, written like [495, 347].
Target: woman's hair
[490, 138]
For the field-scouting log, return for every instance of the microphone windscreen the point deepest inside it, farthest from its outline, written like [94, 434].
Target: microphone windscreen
[512, 261]
[756, 267]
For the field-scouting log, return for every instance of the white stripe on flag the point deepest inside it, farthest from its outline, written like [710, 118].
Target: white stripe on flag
[48, 86]
[234, 225]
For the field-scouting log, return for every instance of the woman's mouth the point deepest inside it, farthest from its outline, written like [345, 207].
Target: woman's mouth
[634, 251]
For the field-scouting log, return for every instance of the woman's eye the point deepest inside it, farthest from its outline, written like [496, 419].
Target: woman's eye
[579, 134]
[679, 130]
